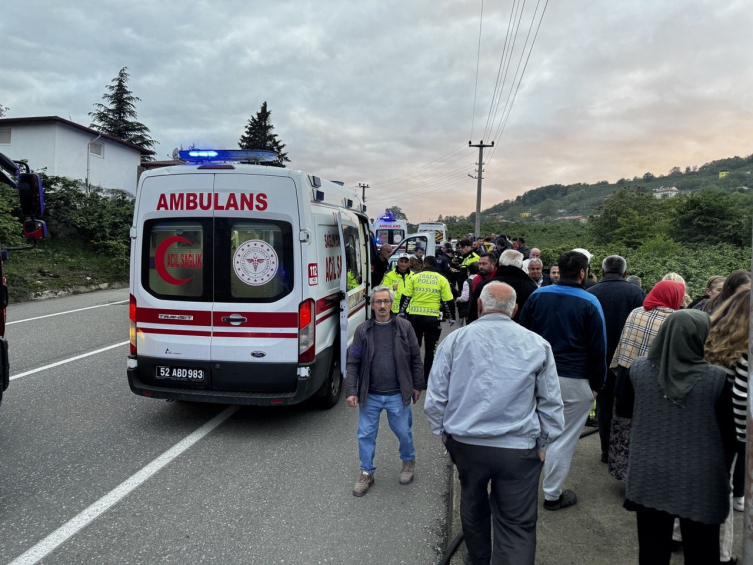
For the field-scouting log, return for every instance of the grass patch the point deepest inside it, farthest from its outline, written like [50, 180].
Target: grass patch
[60, 265]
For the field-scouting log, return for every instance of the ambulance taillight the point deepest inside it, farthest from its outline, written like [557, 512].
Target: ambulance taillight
[307, 331]
[132, 317]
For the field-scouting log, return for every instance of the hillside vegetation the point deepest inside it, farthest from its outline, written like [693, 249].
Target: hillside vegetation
[697, 235]
[555, 200]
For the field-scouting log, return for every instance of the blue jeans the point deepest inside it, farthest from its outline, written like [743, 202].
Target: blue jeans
[401, 422]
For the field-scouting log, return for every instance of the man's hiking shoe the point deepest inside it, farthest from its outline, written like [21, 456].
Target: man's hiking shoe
[406, 473]
[364, 482]
[567, 498]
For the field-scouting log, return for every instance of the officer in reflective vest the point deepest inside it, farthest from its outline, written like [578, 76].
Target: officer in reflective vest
[469, 256]
[425, 295]
[397, 278]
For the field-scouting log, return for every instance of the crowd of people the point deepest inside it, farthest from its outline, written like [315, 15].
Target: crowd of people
[509, 393]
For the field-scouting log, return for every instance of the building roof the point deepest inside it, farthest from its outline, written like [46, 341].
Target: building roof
[666, 189]
[35, 119]
[149, 165]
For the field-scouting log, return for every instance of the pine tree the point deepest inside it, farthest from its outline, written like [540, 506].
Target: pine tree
[258, 135]
[118, 117]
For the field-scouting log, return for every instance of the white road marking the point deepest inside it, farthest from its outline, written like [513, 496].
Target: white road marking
[69, 360]
[87, 516]
[67, 312]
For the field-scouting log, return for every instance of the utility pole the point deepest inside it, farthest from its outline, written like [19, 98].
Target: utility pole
[364, 187]
[480, 176]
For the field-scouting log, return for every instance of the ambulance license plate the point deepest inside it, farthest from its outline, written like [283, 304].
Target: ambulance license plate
[179, 373]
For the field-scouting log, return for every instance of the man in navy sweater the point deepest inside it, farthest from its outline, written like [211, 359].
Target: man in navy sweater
[617, 298]
[572, 321]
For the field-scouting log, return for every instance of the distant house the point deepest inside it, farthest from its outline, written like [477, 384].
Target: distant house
[665, 192]
[581, 219]
[65, 148]
[494, 215]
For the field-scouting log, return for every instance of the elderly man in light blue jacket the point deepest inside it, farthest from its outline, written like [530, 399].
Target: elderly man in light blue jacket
[494, 398]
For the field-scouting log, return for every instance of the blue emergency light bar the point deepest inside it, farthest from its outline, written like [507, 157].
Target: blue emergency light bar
[225, 155]
[387, 217]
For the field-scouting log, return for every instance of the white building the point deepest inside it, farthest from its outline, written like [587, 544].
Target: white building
[71, 150]
[665, 192]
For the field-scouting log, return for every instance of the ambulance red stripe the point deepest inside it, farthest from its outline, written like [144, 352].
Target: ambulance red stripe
[322, 305]
[171, 331]
[152, 316]
[259, 319]
[204, 318]
[326, 316]
[217, 334]
[256, 334]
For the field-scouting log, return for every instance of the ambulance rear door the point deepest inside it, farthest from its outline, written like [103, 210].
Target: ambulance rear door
[257, 283]
[172, 279]
[355, 239]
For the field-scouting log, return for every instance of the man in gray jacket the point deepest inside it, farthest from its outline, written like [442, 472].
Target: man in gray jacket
[384, 372]
[494, 398]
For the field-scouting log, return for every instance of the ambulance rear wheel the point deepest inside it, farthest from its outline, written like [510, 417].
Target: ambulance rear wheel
[332, 387]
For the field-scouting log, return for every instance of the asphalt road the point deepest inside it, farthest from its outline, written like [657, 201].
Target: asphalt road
[91, 473]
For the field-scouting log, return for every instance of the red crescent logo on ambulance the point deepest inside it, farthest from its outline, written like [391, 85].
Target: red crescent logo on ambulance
[159, 260]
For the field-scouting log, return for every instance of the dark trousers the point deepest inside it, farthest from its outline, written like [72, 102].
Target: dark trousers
[700, 542]
[604, 411]
[513, 503]
[427, 327]
[738, 474]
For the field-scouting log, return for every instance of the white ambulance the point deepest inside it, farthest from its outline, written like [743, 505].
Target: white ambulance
[389, 230]
[247, 281]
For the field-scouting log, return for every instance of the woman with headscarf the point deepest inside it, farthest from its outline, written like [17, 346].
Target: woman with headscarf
[640, 330]
[727, 347]
[686, 300]
[736, 281]
[682, 433]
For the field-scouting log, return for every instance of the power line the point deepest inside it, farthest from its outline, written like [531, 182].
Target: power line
[501, 63]
[392, 180]
[503, 124]
[444, 185]
[478, 57]
[510, 52]
[428, 180]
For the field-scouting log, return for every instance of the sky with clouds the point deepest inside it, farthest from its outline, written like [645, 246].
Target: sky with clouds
[383, 92]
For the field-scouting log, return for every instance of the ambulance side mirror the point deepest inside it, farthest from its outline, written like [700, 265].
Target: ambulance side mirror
[35, 229]
[31, 193]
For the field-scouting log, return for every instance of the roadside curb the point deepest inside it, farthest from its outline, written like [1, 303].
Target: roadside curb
[82, 289]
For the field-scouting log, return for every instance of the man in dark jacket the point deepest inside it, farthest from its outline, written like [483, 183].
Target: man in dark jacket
[617, 298]
[523, 249]
[443, 263]
[510, 271]
[380, 264]
[571, 320]
[384, 372]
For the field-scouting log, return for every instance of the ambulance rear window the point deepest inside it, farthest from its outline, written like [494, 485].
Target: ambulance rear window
[254, 260]
[389, 236]
[175, 256]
